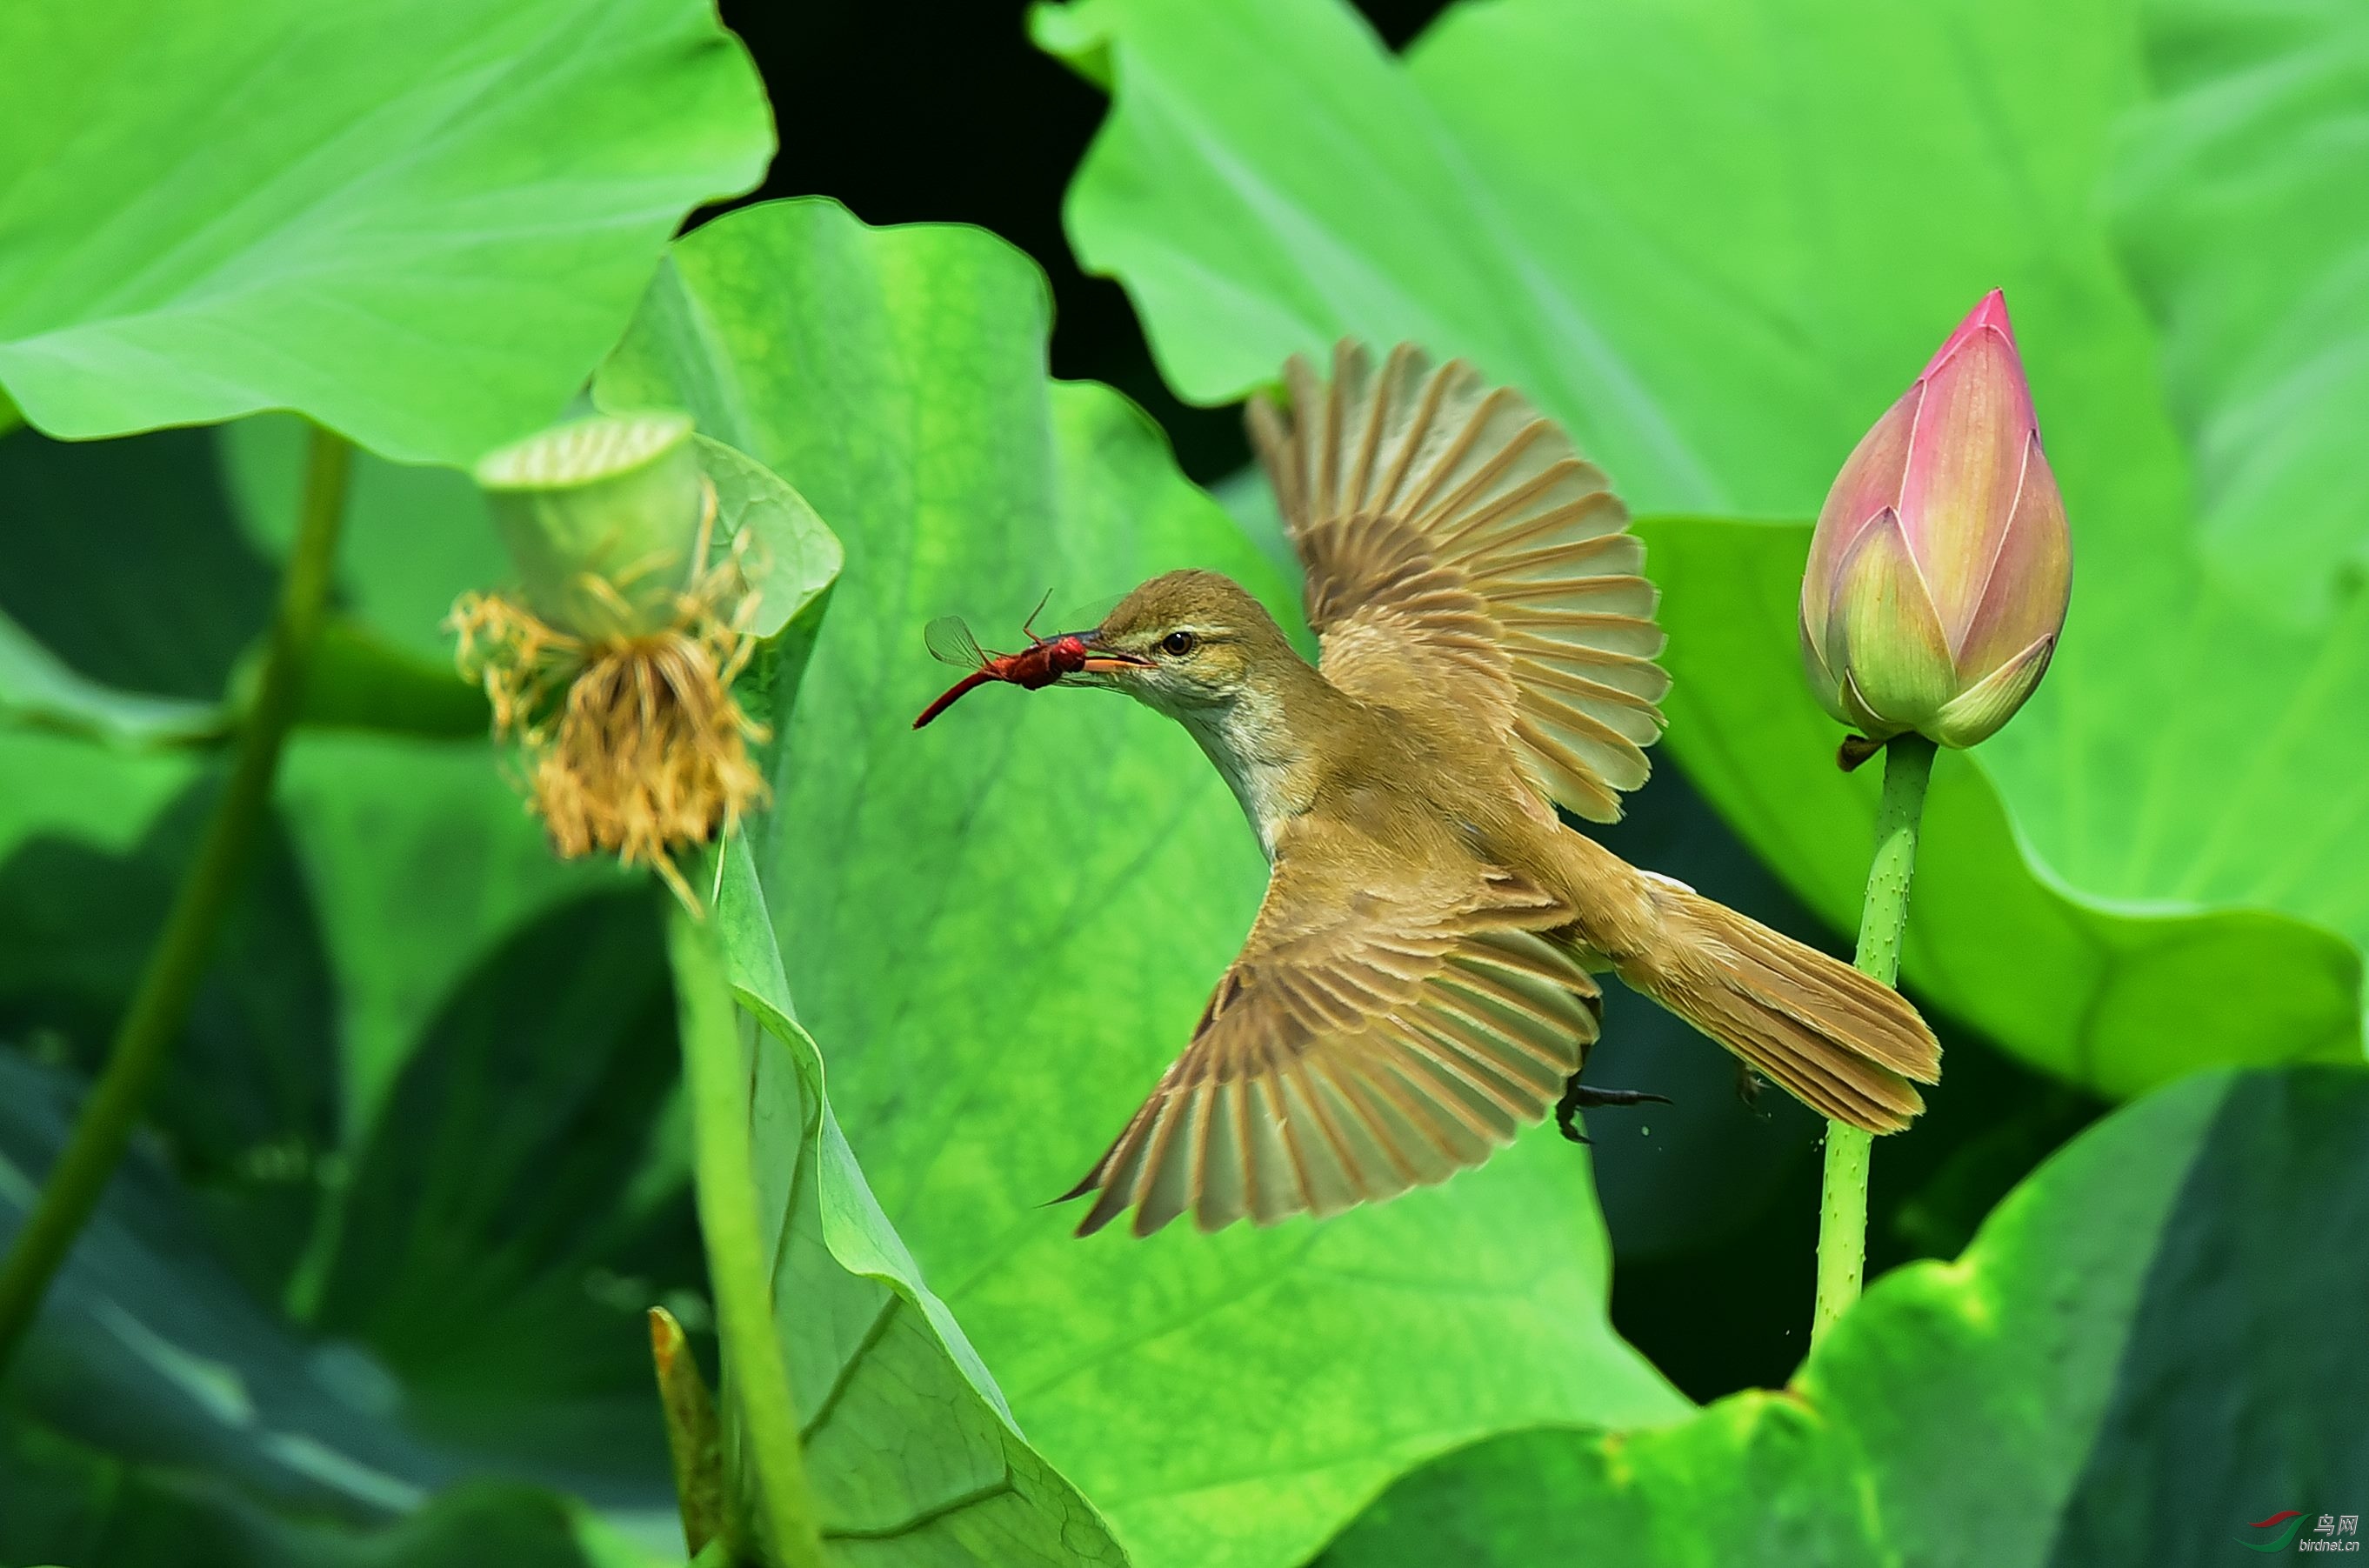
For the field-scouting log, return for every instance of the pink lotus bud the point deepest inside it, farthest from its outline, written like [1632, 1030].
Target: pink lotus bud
[1940, 567]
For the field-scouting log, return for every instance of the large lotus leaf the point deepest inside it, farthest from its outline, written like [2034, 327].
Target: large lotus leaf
[101, 547]
[546, 1219]
[519, 1198]
[2240, 216]
[421, 856]
[1719, 262]
[909, 1446]
[147, 1347]
[40, 691]
[1004, 926]
[2046, 1399]
[62, 1502]
[357, 212]
[102, 637]
[347, 1094]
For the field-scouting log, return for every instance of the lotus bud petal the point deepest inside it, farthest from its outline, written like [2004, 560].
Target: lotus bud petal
[1974, 714]
[1941, 565]
[1884, 636]
[602, 517]
[1823, 683]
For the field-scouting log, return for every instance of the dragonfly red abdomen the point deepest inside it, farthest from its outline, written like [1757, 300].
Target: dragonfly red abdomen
[1042, 662]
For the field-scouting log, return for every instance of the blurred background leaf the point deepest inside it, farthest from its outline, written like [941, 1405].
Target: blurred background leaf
[424, 854]
[40, 691]
[2171, 1272]
[2237, 211]
[519, 1198]
[414, 538]
[70, 1505]
[430, 1193]
[1005, 925]
[1719, 264]
[353, 212]
[225, 1435]
[463, 1256]
[124, 562]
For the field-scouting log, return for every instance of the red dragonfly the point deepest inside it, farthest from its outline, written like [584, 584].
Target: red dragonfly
[1042, 662]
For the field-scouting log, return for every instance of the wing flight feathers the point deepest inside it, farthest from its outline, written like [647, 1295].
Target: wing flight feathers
[1454, 541]
[1367, 1040]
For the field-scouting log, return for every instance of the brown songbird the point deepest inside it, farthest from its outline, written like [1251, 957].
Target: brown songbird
[1417, 987]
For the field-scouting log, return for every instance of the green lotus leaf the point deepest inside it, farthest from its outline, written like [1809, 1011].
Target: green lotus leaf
[791, 555]
[2035, 1402]
[40, 691]
[909, 1449]
[62, 1502]
[2234, 205]
[353, 1034]
[162, 1415]
[359, 211]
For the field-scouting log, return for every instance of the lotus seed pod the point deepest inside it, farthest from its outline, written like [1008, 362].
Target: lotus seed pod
[602, 517]
[1941, 565]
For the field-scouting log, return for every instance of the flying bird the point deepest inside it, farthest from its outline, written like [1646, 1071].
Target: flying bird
[1419, 984]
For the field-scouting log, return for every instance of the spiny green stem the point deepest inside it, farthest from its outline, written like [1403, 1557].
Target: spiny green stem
[756, 1376]
[160, 1005]
[1842, 1211]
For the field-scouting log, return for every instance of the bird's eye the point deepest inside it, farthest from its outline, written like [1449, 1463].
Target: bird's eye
[1178, 643]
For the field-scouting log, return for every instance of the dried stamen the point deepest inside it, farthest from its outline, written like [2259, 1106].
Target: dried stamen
[632, 744]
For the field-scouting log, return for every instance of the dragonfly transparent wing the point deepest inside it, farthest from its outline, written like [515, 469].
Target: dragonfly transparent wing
[949, 641]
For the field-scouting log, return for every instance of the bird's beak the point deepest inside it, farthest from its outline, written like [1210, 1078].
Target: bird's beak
[1103, 660]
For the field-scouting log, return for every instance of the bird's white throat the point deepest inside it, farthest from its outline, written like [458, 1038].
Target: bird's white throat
[1253, 749]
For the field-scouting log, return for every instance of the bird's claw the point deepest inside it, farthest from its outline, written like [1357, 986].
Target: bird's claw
[1578, 1096]
[1748, 1085]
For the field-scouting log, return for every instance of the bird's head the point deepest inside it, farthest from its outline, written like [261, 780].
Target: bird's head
[1188, 644]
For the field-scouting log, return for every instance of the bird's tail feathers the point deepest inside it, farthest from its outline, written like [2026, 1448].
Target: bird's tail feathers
[1842, 1043]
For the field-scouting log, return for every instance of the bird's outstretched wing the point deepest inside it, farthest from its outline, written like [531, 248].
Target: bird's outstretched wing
[1377, 1033]
[1454, 541]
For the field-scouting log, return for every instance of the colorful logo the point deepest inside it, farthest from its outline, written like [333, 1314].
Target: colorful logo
[2333, 1532]
[2286, 1524]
